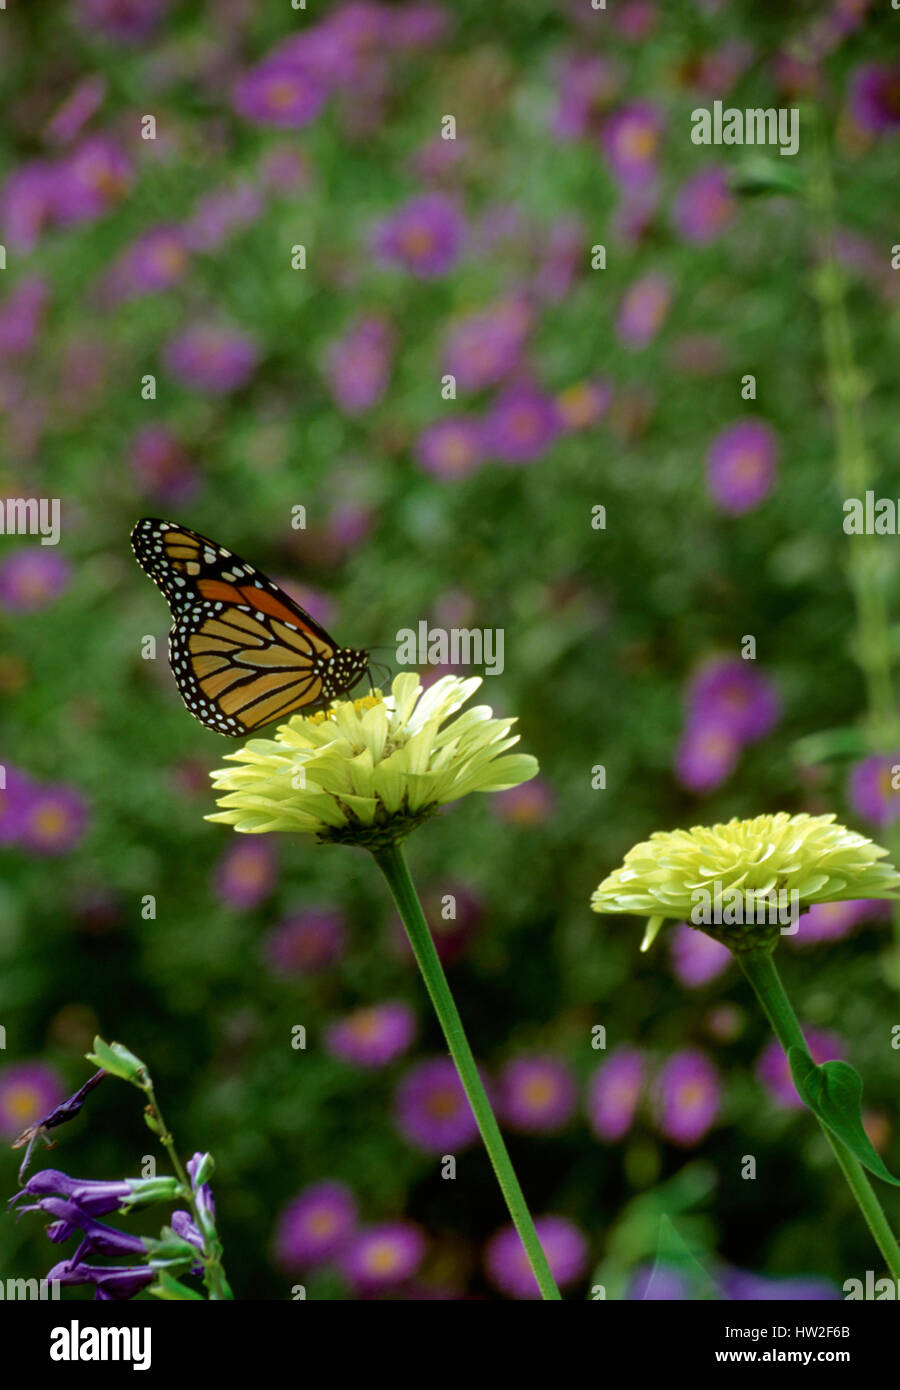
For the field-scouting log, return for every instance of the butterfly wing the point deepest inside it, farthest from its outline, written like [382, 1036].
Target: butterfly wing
[242, 652]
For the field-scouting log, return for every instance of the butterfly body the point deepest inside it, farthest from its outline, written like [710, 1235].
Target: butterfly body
[242, 652]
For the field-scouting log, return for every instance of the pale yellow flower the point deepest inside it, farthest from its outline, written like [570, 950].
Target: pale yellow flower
[368, 771]
[808, 856]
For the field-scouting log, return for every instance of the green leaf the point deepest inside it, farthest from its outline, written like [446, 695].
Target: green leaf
[169, 1288]
[673, 1252]
[118, 1061]
[833, 1091]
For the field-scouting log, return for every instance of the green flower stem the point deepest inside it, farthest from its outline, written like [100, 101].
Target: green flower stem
[393, 865]
[759, 968]
[870, 565]
[213, 1270]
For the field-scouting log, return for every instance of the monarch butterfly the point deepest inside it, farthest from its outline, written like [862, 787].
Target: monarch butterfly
[242, 652]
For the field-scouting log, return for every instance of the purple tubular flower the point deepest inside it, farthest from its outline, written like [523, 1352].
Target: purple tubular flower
[834, 921]
[212, 359]
[507, 1265]
[522, 424]
[452, 448]
[424, 235]
[97, 1237]
[359, 365]
[706, 756]
[97, 1196]
[643, 309]
[731, 694]
[773, 1068]
[315, 1226]
[246, 873]
[382, 1257]
[688, 1097]
[54, 820]
[109, 1281]
[871, 790]
[199, 1165]
[613, 1094]
[537, 1094]
[485, 347]
[741, 466]
[705, 206]
[306, 943]
[280, 93]
[874, 97]
[432, 1110]
[183, 1225]
[696, 957]
[374, 1036]
[32, 578]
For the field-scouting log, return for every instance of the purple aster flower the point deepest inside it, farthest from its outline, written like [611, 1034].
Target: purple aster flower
[95, 176]
[60, 1114]
[643, 309]
[635, 211]
[870, 789]
[417, 26]
[161, 465]
[521, 424]
[305, 943]
[79, 106]
[14, 800]
[537, 1094]
[211, 358]
[696, 957]
[359, 365]
[246, 873]
[773, 1068]
[688, 1097]
[506, 1262]
[581, 405]
[381, 1257]
[635, 19]
[450, 934]
[374, 1036]
[27, 203]
[226, 211]
[731, 693]
[54, 820]
[705, 206]
[586, 84]
[280, 93]
[424, 235]
[32, 578]
[315, 1226]
[157, 261]
[28, 1090]
[432, 1110]
[109, 1281]
[437, 159]
[742, 465]
[631, 142]
[742, 1286]
[875, 97]
[833, 921]
[452, 448]
[21, 313]
[613, 1094]
[706, 756]
[124, 21]
[531, 803]
[656, 1283]
[483, 348]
